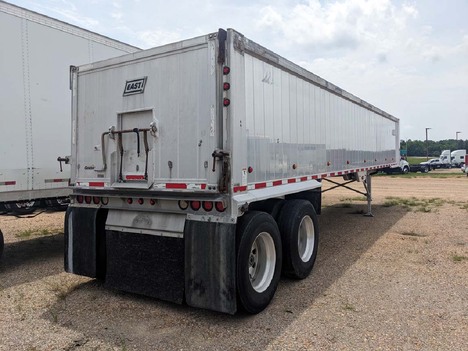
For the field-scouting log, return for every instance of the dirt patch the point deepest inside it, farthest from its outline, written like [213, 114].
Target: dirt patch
[396, 281]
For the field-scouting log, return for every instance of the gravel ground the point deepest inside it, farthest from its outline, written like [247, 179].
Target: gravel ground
[397, 281]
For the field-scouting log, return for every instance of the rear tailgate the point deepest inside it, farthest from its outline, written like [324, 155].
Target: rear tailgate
[148, 120]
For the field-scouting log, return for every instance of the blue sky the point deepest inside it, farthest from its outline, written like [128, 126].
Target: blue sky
[409, 58]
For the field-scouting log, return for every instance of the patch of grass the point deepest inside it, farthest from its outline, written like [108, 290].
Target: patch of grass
[464, 206]
[27, 233]
[24, 233]
[458, 258]
[355, 198]
[424, 175]
[418, 205]
[349, 307]
[346, 205]
[412, 160]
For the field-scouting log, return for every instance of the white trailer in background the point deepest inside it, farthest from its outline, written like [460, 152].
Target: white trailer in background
[37, 52]
[198, 165]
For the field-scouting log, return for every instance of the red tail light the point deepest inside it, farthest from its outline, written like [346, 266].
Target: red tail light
[226, 86]
[129, 201]
[195, 205]
[96, 200]
[207, 206]
[226, 102]
[141, 201]
[79, 198]
[87, 199]
[152, 202]
[226, 70]
[220, 206]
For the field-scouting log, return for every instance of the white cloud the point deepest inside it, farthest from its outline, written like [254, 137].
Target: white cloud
[337, 25]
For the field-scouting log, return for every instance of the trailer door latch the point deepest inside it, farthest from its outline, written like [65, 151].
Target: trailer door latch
[65, 159]
[220, 154]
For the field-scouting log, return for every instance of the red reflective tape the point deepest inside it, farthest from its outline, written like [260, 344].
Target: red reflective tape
[303, 179]
[203, 186]
[240, 188]
[260, 185]
[340, 173]
[315, 177]
[277, 182]
[332, 174]
[56, 180]
[323, 175]
[176, 186]
[8, 182]
[292, 180]
[134, 177]
[96, 183]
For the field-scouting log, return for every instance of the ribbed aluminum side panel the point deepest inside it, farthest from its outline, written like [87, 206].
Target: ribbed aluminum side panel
[297, 127]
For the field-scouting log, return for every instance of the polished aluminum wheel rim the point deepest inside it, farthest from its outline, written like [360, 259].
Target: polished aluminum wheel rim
[262, 261]
[306, 239]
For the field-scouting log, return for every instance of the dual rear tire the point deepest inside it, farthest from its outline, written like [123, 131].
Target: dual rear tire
[265, 248]
[299, 234]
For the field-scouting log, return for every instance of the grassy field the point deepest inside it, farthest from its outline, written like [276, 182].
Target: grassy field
[433, 174]
[413, 160]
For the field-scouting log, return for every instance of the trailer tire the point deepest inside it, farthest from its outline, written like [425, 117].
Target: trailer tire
[406, 170]
[270, 206]
[300, 235]
[22, 207]
[259, 260]
[2, 244]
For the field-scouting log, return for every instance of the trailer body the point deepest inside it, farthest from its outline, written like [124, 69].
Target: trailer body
[35, 111]
[192, 160]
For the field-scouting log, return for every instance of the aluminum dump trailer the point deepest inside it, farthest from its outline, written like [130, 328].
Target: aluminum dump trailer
[198, 165]
[37, 52]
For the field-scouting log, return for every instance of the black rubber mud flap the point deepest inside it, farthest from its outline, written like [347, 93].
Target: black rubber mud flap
[84, 241]
[145, 264]
[210, 266]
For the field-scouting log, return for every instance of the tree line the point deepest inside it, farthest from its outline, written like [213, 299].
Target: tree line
[434, 148]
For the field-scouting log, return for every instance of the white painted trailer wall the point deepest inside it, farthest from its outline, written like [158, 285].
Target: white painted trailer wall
[37, 52]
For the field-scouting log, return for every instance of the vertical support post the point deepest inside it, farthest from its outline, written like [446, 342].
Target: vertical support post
[368, 186]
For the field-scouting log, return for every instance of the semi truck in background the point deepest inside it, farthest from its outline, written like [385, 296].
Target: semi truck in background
[445, 159]
[37, 52]
[197, 169]
[457, 158]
